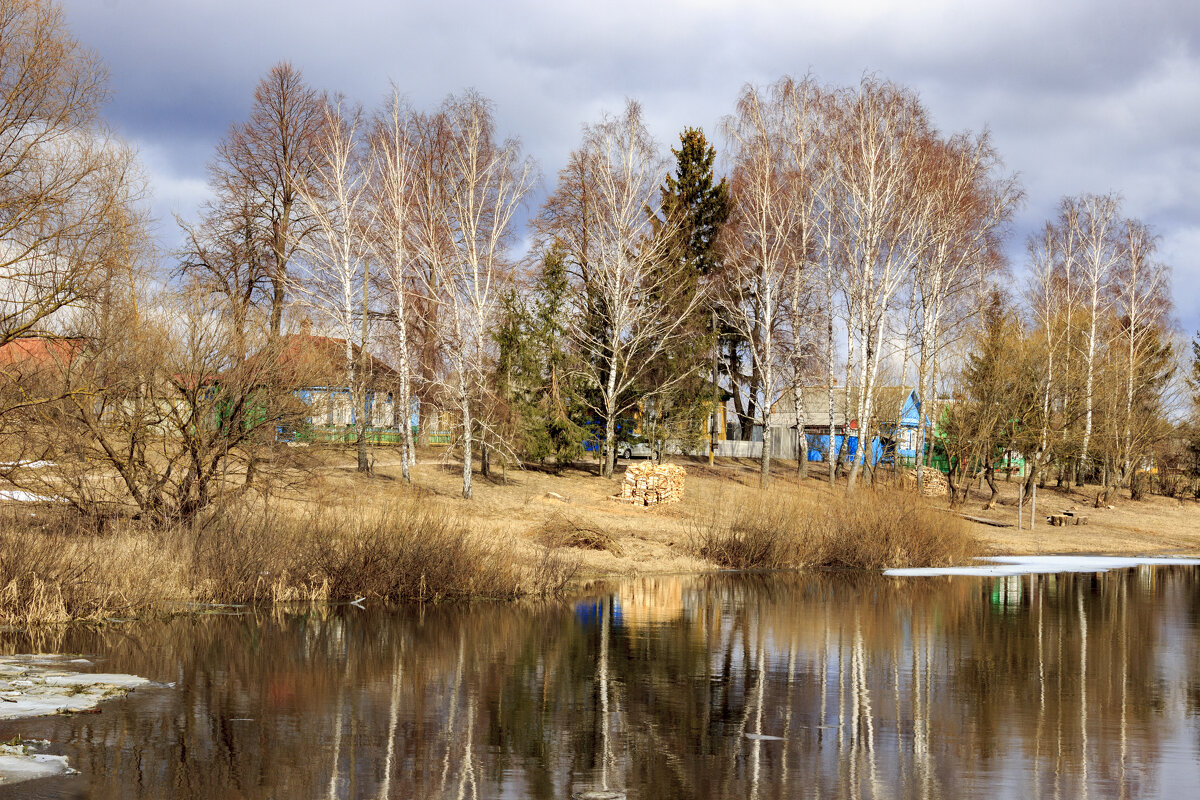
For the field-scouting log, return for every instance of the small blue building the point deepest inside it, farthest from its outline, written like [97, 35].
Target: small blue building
[897, 419]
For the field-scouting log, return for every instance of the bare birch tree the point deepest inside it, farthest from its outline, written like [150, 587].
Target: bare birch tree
[1045, 301]
[970, 205]
[765, 229]
[485, 184]
[1140, 287]
[334, 274]
[878, 202]
[604, 214]
[432, 246]
[1096, 228]
[805, 128]
[392, 150]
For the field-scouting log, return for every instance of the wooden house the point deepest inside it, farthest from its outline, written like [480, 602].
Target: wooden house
[894, 428]
[315, 369]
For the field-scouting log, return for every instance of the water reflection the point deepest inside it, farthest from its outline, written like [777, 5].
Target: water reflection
[761, 686]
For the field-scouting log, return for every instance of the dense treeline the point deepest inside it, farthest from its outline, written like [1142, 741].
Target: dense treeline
[850, 243]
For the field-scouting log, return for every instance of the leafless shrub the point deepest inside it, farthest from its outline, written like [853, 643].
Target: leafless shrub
[562, 531]
[757, 536]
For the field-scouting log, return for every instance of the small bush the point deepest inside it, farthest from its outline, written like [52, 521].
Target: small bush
[756, 536]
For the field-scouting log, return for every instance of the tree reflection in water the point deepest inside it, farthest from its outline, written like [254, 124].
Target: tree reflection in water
[762, 686]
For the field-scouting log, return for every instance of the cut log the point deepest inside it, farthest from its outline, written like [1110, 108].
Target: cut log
[995, 523]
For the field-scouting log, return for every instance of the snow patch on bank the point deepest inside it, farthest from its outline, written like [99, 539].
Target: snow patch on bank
[22, 496]
[1036, 565]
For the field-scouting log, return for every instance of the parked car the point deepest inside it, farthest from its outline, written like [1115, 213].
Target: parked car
[626, 449]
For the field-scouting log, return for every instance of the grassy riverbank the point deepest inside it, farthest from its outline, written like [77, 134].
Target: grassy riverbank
[54, 568]
[338, 535]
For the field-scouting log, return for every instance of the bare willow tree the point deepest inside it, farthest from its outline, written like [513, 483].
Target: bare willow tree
[160, 412]
[70, 227]
[67, 186]
[334, 279]
[465, 241]
[604, 215]
[267, 160]
[765, 232]
[393, 195]
[224, 257]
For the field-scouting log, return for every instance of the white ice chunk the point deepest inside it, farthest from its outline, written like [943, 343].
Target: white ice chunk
[1036, 565]
[18, 763]
[96, 678]
[46, 688]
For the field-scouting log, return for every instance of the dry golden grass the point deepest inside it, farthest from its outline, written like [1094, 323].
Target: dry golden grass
[54, 569]
[873, 529]
[331, 534]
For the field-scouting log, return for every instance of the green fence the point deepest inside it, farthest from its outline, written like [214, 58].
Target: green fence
[347, 435]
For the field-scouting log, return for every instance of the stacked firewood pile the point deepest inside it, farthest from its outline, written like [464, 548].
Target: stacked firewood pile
[648, 483]
[933, 482]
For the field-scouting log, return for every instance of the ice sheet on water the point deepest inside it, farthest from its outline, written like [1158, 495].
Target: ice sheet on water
[1030, 565]
[21, 762]
[34, 686]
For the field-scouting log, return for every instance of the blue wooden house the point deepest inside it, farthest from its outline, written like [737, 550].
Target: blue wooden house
[897, 417]
[316, 367]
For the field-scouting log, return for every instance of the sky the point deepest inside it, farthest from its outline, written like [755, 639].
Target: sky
[1080, 95]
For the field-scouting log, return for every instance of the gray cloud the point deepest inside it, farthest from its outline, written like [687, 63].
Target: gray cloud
[1080, 96]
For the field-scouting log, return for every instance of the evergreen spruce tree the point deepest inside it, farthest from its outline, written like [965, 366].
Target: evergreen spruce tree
[986, 418]
[543, 407]
[694, 207]
[696, 202]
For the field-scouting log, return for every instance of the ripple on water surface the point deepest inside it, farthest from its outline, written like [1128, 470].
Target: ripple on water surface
[1066, 684]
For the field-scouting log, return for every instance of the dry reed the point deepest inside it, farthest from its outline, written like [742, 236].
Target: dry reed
[55, 568]
[873, 529]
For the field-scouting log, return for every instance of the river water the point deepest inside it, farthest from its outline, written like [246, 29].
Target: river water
[748, 686]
